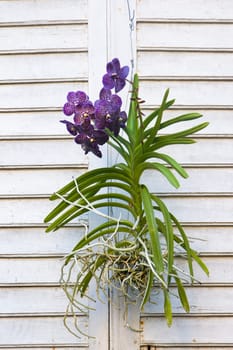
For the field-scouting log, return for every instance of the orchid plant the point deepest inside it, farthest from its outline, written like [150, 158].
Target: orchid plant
[134, 249]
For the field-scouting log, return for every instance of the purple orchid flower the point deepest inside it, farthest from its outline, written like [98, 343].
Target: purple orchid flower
[84, 111]
[114, 100]
[105, 108]
[90, 120]
[74, 99]
[115, 76]
[71, 128]
[118, 121]
[91, 139]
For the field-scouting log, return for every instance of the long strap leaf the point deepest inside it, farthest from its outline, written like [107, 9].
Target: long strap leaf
[156, 127]
[172, 162]
[180, 118]
[153, 230]
[75, 212]
[169, 231]
[91, 186]
[185, 242]
[167, 307]
[152, 116]
[96, 175]
[161, 168]
[185, 132]
[181, 292]
[147, 292]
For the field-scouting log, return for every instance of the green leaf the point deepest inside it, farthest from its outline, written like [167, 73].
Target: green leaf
[159, 167]
[70, 200]
[200, 262]
[181, 118]
[182, 293]
[186, 132]
[153, 230]
[186, 244]
[167, 307]
[168, 141]
[147, 292]
[169, 231]
[76, 200]
[120, 150]
[171, 161]
[89, 185]
[122, 141]
[154, 114]
[96, 175]
[75, 212]
[156, 127]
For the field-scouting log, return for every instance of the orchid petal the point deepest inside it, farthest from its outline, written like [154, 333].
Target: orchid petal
[108, 82]
[68, 109]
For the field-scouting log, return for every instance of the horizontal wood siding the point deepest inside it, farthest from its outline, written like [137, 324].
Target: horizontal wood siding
[43, 55]
[188, 47]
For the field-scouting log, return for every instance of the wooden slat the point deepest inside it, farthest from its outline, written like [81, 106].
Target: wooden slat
[45, 347]
[201, 299]
[187, 63]
[220, 120]
[200, 180]
[24, 10]
[204, 209]
[47, 122]
[48, 66]
[41, 152]
[33, 300]
[35, 181]
[220, 270]
[186, 34]
[25, 210]
[42, 37]
[45, 181]
[199, 92]
[34, 270]
[187, 209]
[207, 151]
[205, 239]
[41, 330]
[37, 94]
[32, 123]
[189, 330]
[34, 240]
[211, 239]
[47, 270]
[191, 347]
[209, 9]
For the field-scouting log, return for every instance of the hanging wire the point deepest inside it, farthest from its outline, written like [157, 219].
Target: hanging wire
[131, 15]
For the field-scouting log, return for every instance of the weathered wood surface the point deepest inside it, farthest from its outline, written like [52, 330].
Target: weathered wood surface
[209, 9]
[52, 10]
[43, 55]
[188, 35]
[188, 48]
[41, 152]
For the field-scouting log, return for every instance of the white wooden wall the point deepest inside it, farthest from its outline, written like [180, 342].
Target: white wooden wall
[43, 54]
[188, 46]
[48, 48]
